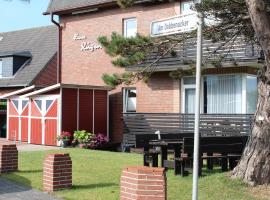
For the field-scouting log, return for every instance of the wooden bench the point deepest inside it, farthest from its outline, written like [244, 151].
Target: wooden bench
[151, 155]
[224, 148]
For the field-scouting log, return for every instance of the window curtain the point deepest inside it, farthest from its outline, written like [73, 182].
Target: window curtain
[224, 94]
[252, 94]
[190, 100]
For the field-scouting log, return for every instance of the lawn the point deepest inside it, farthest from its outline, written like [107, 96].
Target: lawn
[96, 176]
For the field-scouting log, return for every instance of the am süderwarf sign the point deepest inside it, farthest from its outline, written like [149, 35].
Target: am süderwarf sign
[173, 25]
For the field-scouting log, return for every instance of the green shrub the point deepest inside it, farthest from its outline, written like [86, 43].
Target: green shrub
[82, 137]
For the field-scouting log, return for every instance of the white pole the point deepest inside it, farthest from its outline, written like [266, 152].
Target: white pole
[197, 108]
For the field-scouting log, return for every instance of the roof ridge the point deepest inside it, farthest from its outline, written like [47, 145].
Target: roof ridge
[26, 29]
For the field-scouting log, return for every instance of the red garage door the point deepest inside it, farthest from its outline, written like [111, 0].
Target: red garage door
[51, 122]
[36, 131]
[13, 128]
[13, 120]
[24, 120]
[24, 129]
[36, 122]
[100, 112]
[18, 119]
[44, 122]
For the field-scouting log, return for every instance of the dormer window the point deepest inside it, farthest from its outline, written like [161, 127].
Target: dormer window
[10, 63]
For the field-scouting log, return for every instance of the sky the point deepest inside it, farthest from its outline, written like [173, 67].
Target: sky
[17, 14]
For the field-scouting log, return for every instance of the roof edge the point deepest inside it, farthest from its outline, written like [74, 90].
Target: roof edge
[61, 85]
[68, 10]
[111, 3]
[5, 96]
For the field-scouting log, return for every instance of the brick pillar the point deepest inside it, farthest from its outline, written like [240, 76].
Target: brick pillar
[57, 172]
[145, 183]
[8, 158]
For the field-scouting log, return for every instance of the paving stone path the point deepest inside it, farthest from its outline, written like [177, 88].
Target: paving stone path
[12, 191]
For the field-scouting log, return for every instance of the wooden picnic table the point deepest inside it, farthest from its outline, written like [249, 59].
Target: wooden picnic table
[165, 145]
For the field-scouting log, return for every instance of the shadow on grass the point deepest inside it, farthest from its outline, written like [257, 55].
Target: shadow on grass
[205, 172]
[93, 186]
[31, 171]
[13, 184]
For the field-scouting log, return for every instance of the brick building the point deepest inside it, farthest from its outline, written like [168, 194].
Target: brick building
[230, 89]
[27, 57]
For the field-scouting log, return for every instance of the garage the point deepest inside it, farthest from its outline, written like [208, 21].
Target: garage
[39, 116]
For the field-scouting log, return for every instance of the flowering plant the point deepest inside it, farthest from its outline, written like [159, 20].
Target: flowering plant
[83, 138]
[98, 141]
[64, 136]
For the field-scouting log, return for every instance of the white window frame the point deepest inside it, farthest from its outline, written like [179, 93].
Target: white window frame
[245, 82]
[125, 21]
[190, 86]
[125, 92]
[193, 86]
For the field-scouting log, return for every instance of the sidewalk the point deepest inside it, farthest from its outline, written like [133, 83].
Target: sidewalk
[21, 146]
[12, 191]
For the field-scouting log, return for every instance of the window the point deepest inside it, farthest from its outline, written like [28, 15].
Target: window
[48, 104]
[16, 104]
[24, 103]
[39, 104]
[130, 27]
[1, 68]
[186, 7]
[222, 94]
[189, 81]
[190, 100]
[129, 98]
[252, 94]
[189, 90]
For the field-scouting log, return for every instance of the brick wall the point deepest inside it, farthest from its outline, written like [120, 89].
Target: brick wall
[48, 76]
[8, 158]
[57, 172]
[146, 183]
[159, 94]
[87, 68]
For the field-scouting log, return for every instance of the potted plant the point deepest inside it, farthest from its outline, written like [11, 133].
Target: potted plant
[64, 138]
[98, 141]
[83, 138]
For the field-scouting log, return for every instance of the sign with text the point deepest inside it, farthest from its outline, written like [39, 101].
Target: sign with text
[173, 25]
[86, 45]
